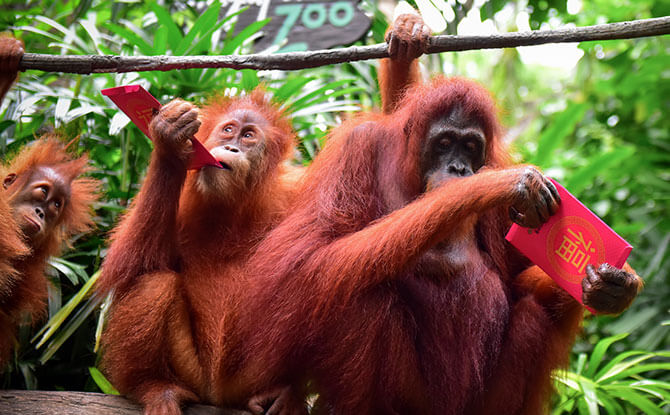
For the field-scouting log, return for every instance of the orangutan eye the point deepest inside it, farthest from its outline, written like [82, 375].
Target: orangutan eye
[445, 142]
[228, 128]
[249, 134]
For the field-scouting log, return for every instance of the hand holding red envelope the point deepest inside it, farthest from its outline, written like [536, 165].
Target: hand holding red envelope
[570, 240]
[139, 105]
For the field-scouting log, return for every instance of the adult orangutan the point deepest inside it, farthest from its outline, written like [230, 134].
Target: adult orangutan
[390, 286]
[42, 203]
[176, 260]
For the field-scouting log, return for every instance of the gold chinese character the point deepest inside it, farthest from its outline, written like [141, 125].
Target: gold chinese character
[567, 249]
[570, 251]
[579, 260]
[145, 115]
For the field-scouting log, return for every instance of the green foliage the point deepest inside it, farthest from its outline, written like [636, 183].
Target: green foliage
[623, 384]
[102, 382]
[53, 326]
[554, 136]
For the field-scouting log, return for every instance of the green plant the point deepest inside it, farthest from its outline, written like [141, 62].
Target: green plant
[622, 384]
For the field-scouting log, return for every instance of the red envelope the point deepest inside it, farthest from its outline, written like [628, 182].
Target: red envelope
[139, 105]
[572, 238]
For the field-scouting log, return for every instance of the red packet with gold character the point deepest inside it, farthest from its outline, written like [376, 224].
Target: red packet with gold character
[570, 240]
[139, 105]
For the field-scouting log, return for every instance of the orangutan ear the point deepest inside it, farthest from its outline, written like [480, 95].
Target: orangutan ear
[9, 180]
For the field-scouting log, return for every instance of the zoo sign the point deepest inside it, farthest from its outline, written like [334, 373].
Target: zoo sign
[299, 25]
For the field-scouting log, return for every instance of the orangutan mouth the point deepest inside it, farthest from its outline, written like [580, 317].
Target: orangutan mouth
[224, 165]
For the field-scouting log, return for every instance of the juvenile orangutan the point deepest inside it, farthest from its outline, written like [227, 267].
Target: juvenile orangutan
[43, 202]
[177, 259]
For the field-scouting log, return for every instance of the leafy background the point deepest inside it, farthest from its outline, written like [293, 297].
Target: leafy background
[601, 129]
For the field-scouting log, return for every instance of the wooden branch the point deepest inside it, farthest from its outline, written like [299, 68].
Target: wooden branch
[86, 64]
[84, 403]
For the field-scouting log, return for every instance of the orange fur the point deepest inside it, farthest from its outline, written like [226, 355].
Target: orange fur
[396, 75]
[23, 286]
[11, 52]
[176, 267]
[391, 299]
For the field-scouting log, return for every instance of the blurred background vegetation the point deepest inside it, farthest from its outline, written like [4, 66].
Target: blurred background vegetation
[594, 116]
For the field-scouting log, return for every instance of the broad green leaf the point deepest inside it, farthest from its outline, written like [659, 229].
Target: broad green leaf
[66, 271]
[3, 126]
[655, 337]
[658, 389]
[582, 407]
[160, 41]
[564, 407]
[616, 360]
[291, 87]
[131, 37]
[318, 93]
[638, 400]
[102, 382]
[73, 271]
[569, 379]
[431, 15]
[218, 78]
[336, 106]
[62, 107]
[70, 35]
[83, 110]
[599, 352]
[610, 404]
[28, 372]
[93, 32]
[109, 156]
[104, 308]
[581, 362]
[634, 367]
[57, 320]
[590, 396]
[174, 36]
[206, 21]
[249, 79]
[232, 45]
[204, 44]
[339, 92]
[491, 7]
[69, 328]
[119, 121]
[39, 32]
